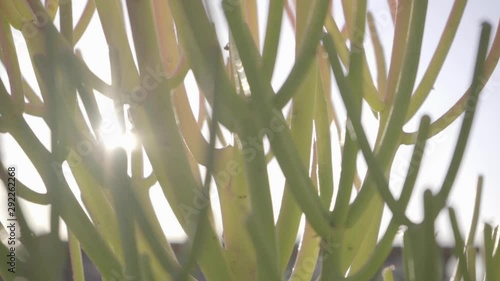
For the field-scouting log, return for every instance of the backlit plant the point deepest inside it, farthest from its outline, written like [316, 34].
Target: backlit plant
[117, 226]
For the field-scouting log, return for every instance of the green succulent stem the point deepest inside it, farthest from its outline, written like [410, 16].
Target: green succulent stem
[232, 130]
[427, 83]
[472, 102]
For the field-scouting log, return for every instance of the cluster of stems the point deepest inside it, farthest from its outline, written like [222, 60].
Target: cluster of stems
[250, 123]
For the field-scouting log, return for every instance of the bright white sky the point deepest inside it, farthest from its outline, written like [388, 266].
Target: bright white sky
[481, 157]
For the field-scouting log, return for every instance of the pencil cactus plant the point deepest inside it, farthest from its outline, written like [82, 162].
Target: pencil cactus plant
[116, 225]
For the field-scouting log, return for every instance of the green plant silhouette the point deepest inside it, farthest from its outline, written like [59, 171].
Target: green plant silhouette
[117, 227]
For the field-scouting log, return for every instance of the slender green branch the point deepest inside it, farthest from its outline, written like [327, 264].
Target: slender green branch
[203, 218]
[399, 47]
[470, 250]
[405, 195]
[360, 136]
[23, 191]
[180, 73]
[270, 270]
[198, 40]
[30, 94]
[285, 151]
[324, 147]
[438, 58]
[301, 128]
[468, 118]
[389, 140]
[349, 8]
[340, 46]
[117, 82]
[261, 213]
[51, 6]
[431, 266]
[252, 19]
[415, 162]
[306, 53]
[404, 88]
[83, 22]
[459, 247]
[307, 255]
[96, 202]
[195, 141]
[377, 257]
[156, 123]
[157, 242]
[394, 7]
[272, 37]
[115, 33]
[75, 254]
[348, 170]
[475, 214]
[117, 225]
[11, 14]
[261, 94]
[369, 90]
[461, 105]
[349, 86]
[76, 219]
[469, 246]
[416, 158]
[489, 248]
[90, 105]
[10, 60]
[35, 110]
[66, 21]
[124, 213]
[496, 254]
[379, 55]
[94, 82]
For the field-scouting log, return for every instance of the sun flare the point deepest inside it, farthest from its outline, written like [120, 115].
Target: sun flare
[113, 138]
